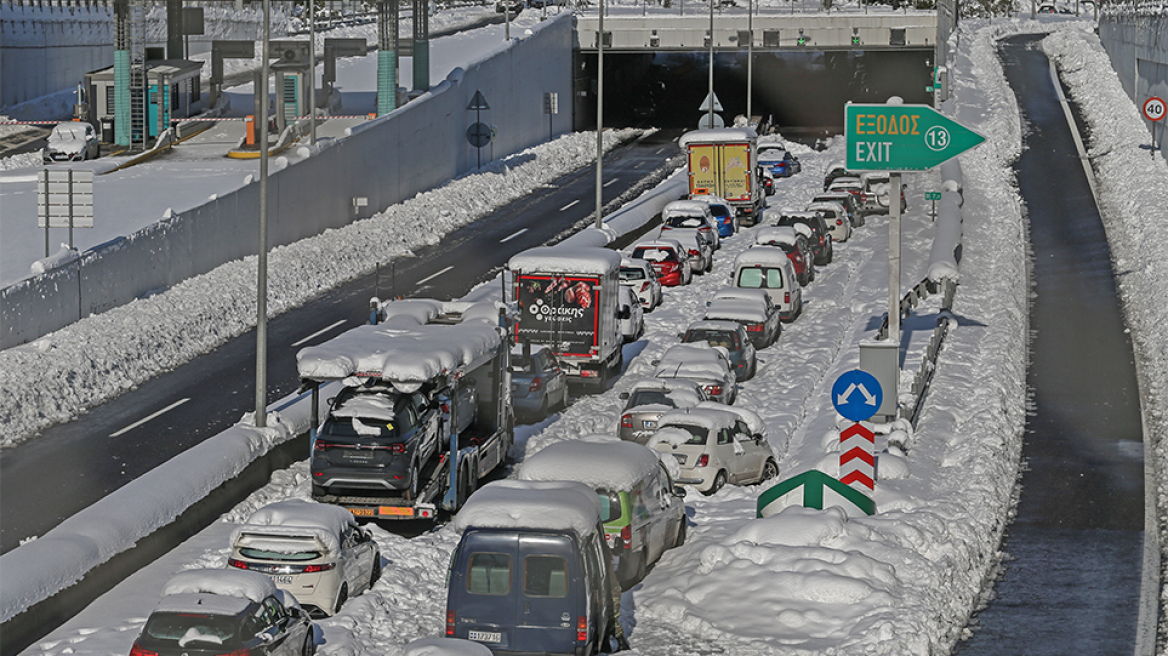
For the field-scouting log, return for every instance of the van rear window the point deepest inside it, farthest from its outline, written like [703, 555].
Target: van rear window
[489, 574]
[756, 278]
[610, 505]
[545, 576]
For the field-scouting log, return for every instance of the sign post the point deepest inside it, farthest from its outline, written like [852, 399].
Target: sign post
[1154, 111]
[478, 134]
[933, 196]
[64, 200]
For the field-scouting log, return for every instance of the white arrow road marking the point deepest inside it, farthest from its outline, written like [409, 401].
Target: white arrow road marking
[143, 420]
[869, 399]
[843, 398]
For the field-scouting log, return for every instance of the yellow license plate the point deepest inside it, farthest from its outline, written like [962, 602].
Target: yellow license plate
[362, 512]
[396, 511]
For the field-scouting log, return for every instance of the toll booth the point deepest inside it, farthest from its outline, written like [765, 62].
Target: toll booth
[174, 91]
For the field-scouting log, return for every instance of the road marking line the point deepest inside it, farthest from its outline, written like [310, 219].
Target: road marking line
[507, 239]
[610, 182]
[658, 151]
[138, 423]
[319, 332]
[569, 204]
[431, 277]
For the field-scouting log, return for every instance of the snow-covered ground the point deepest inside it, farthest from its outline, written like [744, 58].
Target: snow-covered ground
[902, 582]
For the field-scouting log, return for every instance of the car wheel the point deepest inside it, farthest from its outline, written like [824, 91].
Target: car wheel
[679, 539]
[642, 565]
[342, 597]
[769, 470]
[543, 407]
[319, 490]
[376, 572]
[719, 483]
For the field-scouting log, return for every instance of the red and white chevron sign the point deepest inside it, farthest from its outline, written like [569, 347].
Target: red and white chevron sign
[857, 458]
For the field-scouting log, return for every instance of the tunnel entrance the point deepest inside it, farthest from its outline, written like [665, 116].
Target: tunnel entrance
[801, 92]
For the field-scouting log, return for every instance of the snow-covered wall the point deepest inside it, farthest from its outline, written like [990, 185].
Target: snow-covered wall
[1137, 44]
[415, 148]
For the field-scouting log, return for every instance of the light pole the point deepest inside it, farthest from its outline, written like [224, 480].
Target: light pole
[749, 57]
[312, 72]
[261, 409]
[600, 118]
[710, 98]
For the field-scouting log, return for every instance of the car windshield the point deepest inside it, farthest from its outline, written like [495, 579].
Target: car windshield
[522, 365]
[189, 628]
[632, 273]
[349, 428]
[759, 277]
[650, 397]
[697, 433]
[723, 338]
[610, 506]
[684, 222]
[655, 255]
[719, 211]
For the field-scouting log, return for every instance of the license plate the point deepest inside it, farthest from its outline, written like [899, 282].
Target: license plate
[396, 511]
[362, 512]
[485, 636]
[680, 458]
[282, 578]
[649, 424]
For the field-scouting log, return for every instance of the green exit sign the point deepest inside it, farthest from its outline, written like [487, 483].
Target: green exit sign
[932, 195]
[902, 137]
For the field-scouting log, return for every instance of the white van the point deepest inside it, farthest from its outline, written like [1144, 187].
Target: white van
[769, 268]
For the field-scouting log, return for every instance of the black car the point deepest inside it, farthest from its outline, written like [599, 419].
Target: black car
[375, 440]
[512, 6]
[822, 245]
[849, 201]
[205, 612]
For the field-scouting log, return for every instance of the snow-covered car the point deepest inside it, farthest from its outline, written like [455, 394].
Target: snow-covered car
[217, 611]
[875, 190]
[768, 268]
[538, 384]
[835, 216]
[794, 242]
[835, 171]
[632, 317]
[822, 243]
[71, 142]
[315, 551]
[640, 277]
[706, 365]
[698, 251]
[668, 258]
[649, 398]
[750, 308]
[731, 336]
[781, 163]
[848, 184]
[691, 215]
[716, 445]
[725, 218]
[850, 202]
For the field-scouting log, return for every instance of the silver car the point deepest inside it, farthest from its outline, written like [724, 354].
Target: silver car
[706, 365]
[640, 277]
[537, 382]
[650, 398]
[74, 141]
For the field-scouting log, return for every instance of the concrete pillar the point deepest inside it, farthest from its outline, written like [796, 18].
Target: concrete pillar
[122, 72]
[387, 17]
[421, 45]
[174, 31]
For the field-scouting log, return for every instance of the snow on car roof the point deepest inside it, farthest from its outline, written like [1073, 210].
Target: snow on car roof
[698, 358]
[770, 154]
[636, 262]
[755, 423]
[658, 243]
[762, 256]
[602, 462]
[422, 310]
[294, 518]
[843, 181]
[406, 357]
[552, 505]
[709, 199]
[445, 647]
[741, 293]
[714, 324]
[684, 208]
[825, 205]
[229, 583]
[734, 309]
[371, 405]
[70, 130]
[666, 384]
[704, 416]
[768, 235]
[717, 135]
[559, 259]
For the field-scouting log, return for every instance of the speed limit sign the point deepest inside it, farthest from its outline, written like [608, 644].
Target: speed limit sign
[1154, 108]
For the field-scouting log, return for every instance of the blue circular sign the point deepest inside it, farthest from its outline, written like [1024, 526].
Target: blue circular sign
[856, 395]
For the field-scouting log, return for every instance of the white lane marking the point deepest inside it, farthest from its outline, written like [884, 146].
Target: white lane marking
[507, 239]
[431, 277]
[658, 151]
[610, 182]
[569, 204]
[138, 423]
[319, 332]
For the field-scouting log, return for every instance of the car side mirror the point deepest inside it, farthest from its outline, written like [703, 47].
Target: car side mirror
[678, 491]
[626, 312]
[681, 336]
[655, 363]
[624, 396]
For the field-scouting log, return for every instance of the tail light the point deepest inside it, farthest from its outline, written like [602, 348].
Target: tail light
[786, 297]
[392, 448]
[644, 286]
[450, 623]
[714, 390]
[822, 241]
[581, 629]
[536, 383]
[231, 562]
[754, 328]
[137, 650]
[627, 537]
[626, 421]
[703, 460]
[694, 253]
[280, 569]
[704, 228]
[589, 373]
[316, 569]
[238, 652]
[839, 222]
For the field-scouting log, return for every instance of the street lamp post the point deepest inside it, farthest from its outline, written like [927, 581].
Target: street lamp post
[312, 72]
[600, 118]
[749, 57]
[710, 109]
[261, 408]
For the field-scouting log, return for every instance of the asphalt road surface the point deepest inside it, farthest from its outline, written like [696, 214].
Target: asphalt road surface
[1071, 584]
[70, 466]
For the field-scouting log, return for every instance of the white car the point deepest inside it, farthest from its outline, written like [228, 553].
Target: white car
[691, 214]
[715, 445]
[708, 366]
[725, 217]
[698, 251]
[835, 216]
[71, 142]
[640, 277]
[632, 317]
[313, 550]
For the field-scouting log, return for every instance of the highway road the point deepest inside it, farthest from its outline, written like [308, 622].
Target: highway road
[70, 466]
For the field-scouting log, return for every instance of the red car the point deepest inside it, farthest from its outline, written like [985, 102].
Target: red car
[794, 244]
[668, 259]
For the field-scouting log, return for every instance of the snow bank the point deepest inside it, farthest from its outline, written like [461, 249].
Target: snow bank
[602, 462]
[58, 259]
[552, 505]
[445, 647]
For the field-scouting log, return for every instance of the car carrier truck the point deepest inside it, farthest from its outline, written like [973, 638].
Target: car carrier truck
[567, 301]
[723, 162]
[424, 411]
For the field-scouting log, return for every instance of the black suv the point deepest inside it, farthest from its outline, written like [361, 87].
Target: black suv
[822, 246]
[375, 441]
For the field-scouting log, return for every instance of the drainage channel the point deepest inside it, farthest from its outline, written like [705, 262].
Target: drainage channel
[1071, 580]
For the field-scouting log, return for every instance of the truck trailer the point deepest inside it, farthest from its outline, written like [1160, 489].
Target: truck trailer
[723, 162]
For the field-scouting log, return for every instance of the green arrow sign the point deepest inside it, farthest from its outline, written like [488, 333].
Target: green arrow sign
[902, 137]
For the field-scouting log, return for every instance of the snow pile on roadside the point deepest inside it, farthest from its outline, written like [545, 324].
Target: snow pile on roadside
[161, 332]
[1132, 195]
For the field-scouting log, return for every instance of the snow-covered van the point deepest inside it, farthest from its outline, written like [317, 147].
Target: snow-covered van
[769, 268]
[643, 513]
[568, 301]
[532, 573]
[424, 410]
[722, 163]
